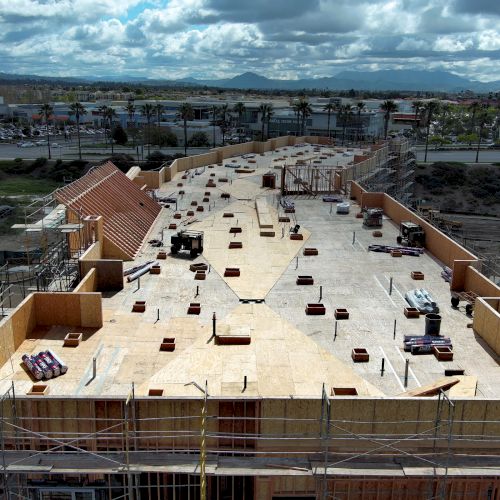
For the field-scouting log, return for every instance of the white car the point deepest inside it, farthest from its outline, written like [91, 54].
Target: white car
[27, 145]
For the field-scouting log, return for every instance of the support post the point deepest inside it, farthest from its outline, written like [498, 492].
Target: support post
[335, 334]
[394, 332]
[353, 237]
[407, 365]
[297, 263]
[197, 290]
[382, 369]
[320, 293]
[157, 314]
[390, 285]
[214, 325]
[138, 283]
[94, 368]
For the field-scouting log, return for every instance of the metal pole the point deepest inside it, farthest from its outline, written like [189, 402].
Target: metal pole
[158, 315]
[138, 283]
[197, 291]
[203, 449]
[394, 333]
[214, 325]
[297, 263]
[407, 365]
[335, 335]
[383, 367]
[94, 368]
[353, 237]
[320, 292]
[390, 285]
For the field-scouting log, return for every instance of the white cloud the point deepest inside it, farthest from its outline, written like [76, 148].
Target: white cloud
[219, 38]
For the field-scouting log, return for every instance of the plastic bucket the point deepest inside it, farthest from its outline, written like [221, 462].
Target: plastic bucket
[432, 324]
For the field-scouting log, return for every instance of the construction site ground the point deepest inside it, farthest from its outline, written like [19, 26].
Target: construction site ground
[290, 353]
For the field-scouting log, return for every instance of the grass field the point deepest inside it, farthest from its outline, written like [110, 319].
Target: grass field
[14, 185]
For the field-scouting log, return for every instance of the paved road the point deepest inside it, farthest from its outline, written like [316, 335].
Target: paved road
[69, 151]
[488, 156]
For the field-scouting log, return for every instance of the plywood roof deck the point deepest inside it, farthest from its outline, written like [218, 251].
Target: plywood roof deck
[290, 354]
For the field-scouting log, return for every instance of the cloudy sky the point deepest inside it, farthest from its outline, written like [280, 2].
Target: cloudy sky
[222, 38]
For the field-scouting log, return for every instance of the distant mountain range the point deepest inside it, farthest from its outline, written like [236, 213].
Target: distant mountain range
[401, 80]
[359, 80]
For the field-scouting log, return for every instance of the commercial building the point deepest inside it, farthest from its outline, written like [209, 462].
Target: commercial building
[271, 365]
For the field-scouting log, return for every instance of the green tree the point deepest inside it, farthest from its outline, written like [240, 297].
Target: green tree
[119, 135]
[199, 140]
[239, 108]
[329, 107]
[388, 107]
[78, 109]
[186, 113]
[46, 111]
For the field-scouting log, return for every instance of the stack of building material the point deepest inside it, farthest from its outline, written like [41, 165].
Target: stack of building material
[422, 300]
[414, 252]
[44, 365]
[424, 344]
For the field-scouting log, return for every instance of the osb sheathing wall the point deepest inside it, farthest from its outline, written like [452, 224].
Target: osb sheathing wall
[377, 487]
[109, 274]
[93, 252]
[350, 417]
[15, 328]
[476, 282]
[68, 308]
[487, 321]
[88, 283]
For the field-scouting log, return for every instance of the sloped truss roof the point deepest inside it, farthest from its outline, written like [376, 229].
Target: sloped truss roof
[127, 211]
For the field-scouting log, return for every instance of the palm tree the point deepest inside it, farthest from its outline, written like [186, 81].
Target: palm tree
[263, 114]
[345, 114]
[215, 111]
[78, 109]
[223, 123]
[130, 109]
[483, 118]
[269, 115]
[388, 107]
[430, 108]
[159, 109]
[110, 114]
[239, 108]
[45, 112]
[102, 111]
[361, 105]
[473, 108]
[305, 110]
[417, 107]
[329, 107]
[186, 113]
[296, 109]
[147, 111]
